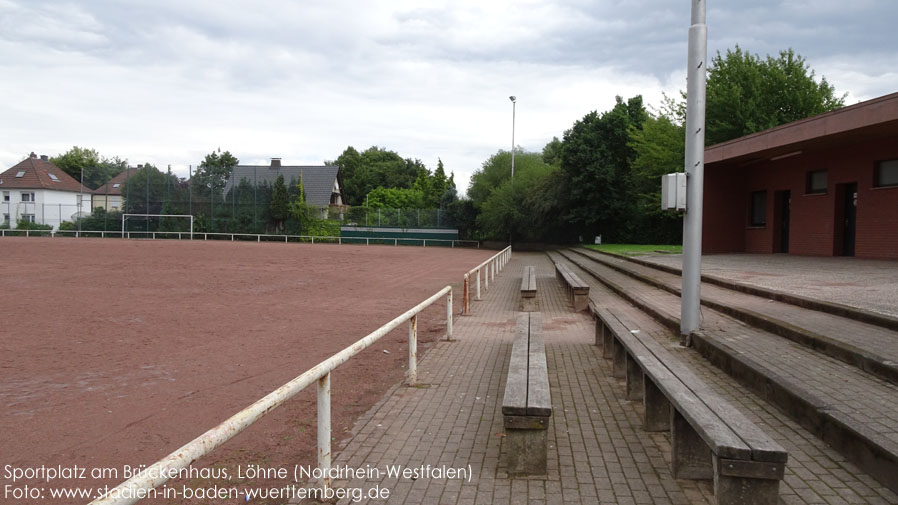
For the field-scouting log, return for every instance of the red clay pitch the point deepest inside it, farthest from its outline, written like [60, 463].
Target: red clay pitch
[116, 352]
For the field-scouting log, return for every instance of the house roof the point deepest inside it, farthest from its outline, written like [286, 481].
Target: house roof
[117, 183]
[872, 119]
[318, 181]
[39, 173]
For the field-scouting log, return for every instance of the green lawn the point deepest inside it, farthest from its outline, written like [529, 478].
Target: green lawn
[635, 249]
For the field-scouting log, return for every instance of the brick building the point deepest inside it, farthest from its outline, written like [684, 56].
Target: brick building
[824, 186]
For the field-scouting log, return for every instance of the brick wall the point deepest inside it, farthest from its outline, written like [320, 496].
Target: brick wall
[815, 219]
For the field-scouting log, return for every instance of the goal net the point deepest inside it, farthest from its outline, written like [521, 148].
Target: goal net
[157, 223]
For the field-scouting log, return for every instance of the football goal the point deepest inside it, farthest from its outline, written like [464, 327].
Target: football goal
[159, 216]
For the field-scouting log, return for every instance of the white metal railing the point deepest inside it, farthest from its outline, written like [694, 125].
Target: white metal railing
[155, 475]
[258, 237]
[490, 268]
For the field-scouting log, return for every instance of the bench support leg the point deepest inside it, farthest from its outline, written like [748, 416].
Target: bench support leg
[529, 304]
[607, 341]
[634, 379]
[747, 483]
[579, 301]
[526, 449]
[690, 456]
[656, 407]
[600, 331]
[619, 363]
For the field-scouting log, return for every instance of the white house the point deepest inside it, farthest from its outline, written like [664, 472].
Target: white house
[36, 190]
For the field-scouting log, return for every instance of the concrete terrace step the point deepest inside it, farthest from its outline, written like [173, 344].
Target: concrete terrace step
[838, 309]
[854, 412]
[870, 347]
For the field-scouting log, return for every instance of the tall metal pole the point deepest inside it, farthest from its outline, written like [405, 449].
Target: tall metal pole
[695, 170]
[513, 104]
[81, 201]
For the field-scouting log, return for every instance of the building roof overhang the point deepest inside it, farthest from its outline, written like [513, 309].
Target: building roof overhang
[869, 120]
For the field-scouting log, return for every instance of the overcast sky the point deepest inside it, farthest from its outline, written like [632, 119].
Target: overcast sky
[168, 81]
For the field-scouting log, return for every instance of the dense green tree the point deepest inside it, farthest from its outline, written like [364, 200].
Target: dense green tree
[552, 152]
[660, 149]
[395, 198]
[97, 170]
[497, 169]
[505, 214]
[746, 93]
[377, 167]
[279, 206]
[595, 165]
[213, 172]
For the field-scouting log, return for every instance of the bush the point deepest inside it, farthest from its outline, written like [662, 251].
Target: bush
[28, 225]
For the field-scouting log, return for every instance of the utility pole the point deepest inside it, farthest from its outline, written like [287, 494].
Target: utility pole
[695, 170]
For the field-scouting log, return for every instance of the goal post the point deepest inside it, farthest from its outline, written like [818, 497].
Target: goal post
[126, 216]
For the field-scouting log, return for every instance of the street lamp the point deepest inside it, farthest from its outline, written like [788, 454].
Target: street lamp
[513, 103]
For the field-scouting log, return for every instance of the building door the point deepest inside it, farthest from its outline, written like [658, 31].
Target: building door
[849, 222]
[783, 201]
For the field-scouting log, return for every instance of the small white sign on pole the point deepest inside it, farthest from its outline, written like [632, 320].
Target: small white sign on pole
[673, 191]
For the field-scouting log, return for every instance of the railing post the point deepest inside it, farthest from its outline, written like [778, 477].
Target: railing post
[486, 276]
[478, 285]
[466, 295]
[449, 315]
[324, 428]
[413, 350]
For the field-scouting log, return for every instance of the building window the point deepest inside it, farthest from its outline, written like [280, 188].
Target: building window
[759, 208]
[816, 182]
[28, 217]
[5, 218]
[27, 197]
[886, 174]
[6, 196]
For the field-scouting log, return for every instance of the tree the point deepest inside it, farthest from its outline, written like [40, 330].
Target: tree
[595, 167]
[506, 213]
[374, 168]
[747, 94]
[552, 152]
[279, 206]
[97, 170]
[213, 172]
[660, 149]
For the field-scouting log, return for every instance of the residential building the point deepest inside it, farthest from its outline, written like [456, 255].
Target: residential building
[36, 190]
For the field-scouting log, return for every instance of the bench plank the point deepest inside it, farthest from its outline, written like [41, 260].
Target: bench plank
[763, 447]
[539, 403]
[716, 434]
[514, 402]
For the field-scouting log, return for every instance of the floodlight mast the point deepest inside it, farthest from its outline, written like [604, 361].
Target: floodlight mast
[695, 170]
[513, 104]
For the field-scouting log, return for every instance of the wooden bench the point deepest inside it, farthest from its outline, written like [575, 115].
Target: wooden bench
[709, 438]
[527, 406]
[528, 290]
[576, 288]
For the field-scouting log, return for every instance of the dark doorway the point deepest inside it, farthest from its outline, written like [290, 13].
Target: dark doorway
[783, 203]
[849, 216]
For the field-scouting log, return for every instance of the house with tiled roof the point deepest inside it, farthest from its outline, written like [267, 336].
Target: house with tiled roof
[38, 191]
[109, 195]
[323, 185]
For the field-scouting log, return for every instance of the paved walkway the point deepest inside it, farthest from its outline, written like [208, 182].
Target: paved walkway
[598, 453]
